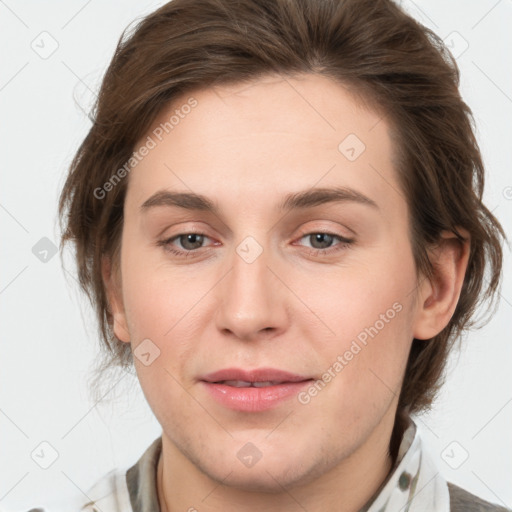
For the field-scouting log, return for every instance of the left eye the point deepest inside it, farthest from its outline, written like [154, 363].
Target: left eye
[324, 240]
[191, 241]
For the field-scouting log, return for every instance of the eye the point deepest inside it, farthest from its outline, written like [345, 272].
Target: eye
[190, 242]
[322, 242]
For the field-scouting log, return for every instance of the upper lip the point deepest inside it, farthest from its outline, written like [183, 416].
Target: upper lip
[256, 375]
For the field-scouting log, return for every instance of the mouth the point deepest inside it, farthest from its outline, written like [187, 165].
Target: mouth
[253, 390]
[259, 377]
[247, 384]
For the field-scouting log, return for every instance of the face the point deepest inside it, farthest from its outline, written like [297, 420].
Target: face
[271, 328]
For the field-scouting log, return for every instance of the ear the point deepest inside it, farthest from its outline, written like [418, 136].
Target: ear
[112, 283]
[438, 296]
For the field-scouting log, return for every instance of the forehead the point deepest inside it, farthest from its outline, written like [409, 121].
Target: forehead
[273, 135]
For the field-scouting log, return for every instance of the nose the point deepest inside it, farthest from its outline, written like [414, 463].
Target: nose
[252, 297]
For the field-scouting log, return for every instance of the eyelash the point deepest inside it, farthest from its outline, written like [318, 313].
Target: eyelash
[345, 243]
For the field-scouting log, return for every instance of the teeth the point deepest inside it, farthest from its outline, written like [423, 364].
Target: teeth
[237, 383]
[262, 384]
[245, 384]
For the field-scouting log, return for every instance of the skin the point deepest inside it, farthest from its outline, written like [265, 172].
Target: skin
[295, 307]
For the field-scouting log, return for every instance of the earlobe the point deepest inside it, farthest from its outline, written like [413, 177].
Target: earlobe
[438, 296]
[112, 285]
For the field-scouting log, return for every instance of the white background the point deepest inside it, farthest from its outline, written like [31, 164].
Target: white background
[48, 333]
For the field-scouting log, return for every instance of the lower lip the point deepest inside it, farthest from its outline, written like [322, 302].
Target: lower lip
[254, 399]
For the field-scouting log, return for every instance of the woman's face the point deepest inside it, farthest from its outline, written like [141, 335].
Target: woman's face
[312, 298]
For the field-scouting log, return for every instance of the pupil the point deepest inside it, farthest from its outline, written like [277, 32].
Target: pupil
[319, 236]
[191, 238]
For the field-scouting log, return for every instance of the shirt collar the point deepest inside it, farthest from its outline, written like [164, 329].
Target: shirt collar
[141, 480]
[414, 483]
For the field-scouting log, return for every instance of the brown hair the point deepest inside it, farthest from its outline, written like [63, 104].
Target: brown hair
[370, 46]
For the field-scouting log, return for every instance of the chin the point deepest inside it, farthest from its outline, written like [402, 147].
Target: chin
[264, 480]
[266, 476]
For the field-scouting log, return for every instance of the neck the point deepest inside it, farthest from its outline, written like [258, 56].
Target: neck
[346, 488]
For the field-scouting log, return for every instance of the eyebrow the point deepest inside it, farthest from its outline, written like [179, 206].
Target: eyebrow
[295, 201]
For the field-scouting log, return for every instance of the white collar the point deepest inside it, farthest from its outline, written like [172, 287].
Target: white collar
[415, 484]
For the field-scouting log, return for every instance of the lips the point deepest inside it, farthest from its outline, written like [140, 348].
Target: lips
[268, 376]
[253, 390]
[248, 384]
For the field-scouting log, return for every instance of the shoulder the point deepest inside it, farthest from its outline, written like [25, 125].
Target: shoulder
[125, 490]
[109, 494]
[463, 501]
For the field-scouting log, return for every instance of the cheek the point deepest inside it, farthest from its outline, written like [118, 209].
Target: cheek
[367, 315]
[156, 296]
[347, 303]
[158, 308]
[364, 368]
